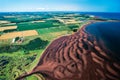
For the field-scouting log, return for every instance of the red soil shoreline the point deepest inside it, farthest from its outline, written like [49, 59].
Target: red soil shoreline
[76, 57]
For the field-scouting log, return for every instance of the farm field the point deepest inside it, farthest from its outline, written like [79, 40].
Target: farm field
[18, 34]
[38, 25]
[8, 28]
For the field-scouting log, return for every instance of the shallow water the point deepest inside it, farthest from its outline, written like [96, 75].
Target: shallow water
[109, 33]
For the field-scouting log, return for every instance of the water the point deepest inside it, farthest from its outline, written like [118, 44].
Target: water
[104, 15]
[109, 33]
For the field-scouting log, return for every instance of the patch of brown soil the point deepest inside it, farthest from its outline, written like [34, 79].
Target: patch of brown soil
[7, 28]
[18, 34]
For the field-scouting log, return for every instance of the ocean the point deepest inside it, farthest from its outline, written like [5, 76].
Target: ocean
[104, 15]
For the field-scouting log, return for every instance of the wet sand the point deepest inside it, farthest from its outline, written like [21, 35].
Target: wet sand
[77, 57]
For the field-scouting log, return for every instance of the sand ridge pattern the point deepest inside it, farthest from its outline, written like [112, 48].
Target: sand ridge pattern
[76, 57]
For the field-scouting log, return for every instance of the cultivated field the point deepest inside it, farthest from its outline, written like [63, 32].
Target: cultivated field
[38, 21]
[18, 34]
[4, 22]
[8, 28]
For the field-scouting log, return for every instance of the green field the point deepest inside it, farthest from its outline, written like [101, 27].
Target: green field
[38, 25]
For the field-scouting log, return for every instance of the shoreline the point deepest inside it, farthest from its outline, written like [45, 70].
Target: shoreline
[82, 44]
[82, 27]
[101, 44]
[93, 21]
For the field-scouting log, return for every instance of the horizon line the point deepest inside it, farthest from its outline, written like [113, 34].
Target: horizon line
[53, 11]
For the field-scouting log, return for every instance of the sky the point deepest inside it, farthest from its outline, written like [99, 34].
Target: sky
[59, 5]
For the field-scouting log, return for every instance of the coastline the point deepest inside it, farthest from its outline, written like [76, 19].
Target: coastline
[100, 42]
[82, 28]
[93, 21]
[80, 40]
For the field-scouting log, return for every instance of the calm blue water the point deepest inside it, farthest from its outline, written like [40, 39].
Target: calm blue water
[104, 15]
[109, 33]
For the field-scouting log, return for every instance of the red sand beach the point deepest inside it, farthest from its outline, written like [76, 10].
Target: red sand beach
[76, 57]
